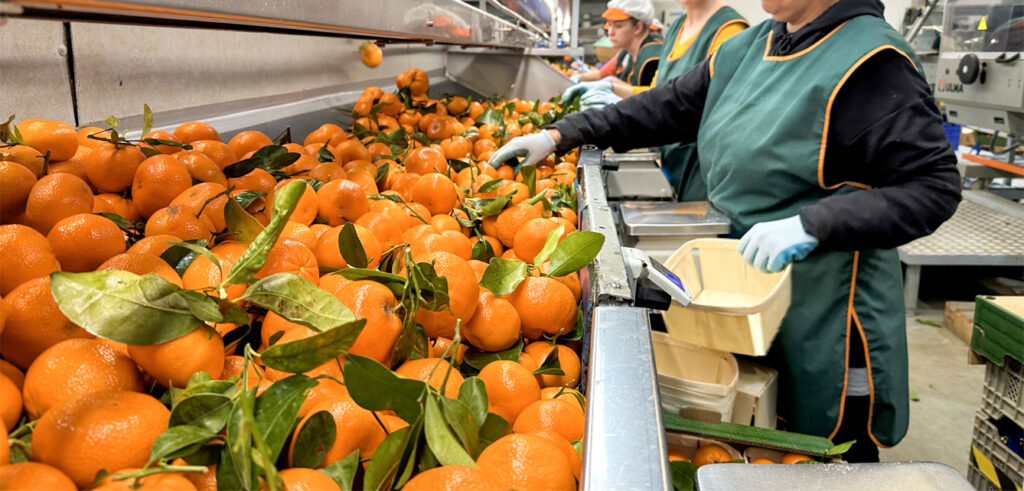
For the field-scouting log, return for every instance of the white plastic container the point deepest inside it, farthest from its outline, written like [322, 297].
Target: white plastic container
[696, 383]
[688, 444]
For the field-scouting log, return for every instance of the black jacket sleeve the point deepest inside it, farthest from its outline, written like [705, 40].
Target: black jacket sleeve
[886, 133]
[665, 114]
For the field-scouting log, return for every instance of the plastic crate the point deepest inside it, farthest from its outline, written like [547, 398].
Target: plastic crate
[996, 462]
[1003, 394]
[999, 328]
[978, 480]
[695, 382]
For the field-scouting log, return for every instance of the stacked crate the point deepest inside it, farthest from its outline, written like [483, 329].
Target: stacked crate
[997, 447]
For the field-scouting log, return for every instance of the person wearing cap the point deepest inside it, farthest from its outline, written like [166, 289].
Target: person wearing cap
[820, 139]
[632, 28]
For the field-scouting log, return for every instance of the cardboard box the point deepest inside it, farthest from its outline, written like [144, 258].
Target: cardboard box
[756, 391]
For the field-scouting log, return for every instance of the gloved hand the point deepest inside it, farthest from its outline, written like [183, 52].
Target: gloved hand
[534, 148]
[576, 77]
[770, 246]
[584, 87]
[598, 98]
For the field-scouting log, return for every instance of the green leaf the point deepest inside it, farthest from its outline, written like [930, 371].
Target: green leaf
[482, 251]
[458, 165]
[203, 306]
[306, 354]
[239, 439]
[529, 173]
[209, 411]
[325, 155]
[351, 247]
[463, 422]
[149, 152]
[575, 252]
[112, 121]
[147, 119]
[928, 322]
[203, 383]
[174, 440]
[491, 185]
[119, 221]
[480, 359]
[313, 440]
[549, 245]
[494, 427]
[441, 440]
[841, 448]
[277, 407]
[473, 393]
[283, 138]
[433, 287]
[196, 247]
[269, 158]
[375, 387]
[577, 330]
[490, 116]
[502, 276]
[683, 474]
[393, 281]
[246, 198]
[170, 143]
[242, 226]
[16, 135]
[914, 396]
[255, 256]
[298, 300]
[550, 365]
[380, 474]
[227, 471]
[181, 257]
[123, 306]
[494, 206]
[382, 172]
[344, 471]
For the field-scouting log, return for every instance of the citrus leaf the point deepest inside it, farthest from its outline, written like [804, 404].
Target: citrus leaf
[682, 475]
[473, 393]
[440, 439]
[550, 366]
[313, 440]
[246, 198]
[490, 185]
[276, 409]
[255, 256]
[482, 251]
[175, 439]
[490, 116]
[209, 411]
[494, 427]
[188, 249]
[549, 245]
[325, 154]
[393, 281]
[112, 121]
[202, 383]
[344, 471]
[375, 387]
[298, 300]
[202, 306]
[480, 359]
[149, 152]
[502, 276]
[306, 354]
[529, 173]
[463, 422]
[351, 247]
[841, 448]
[242, 226]
[574, 252]
[382, 172]
[494, 206]
[123, 306]
[457, 165]
[269, 158]
[283, 138]
[380, 474]
[238, 441]
[147, 119]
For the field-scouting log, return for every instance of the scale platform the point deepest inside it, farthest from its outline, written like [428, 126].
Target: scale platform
[660, 227]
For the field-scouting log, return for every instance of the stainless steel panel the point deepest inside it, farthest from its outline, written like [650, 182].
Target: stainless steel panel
[34, 79]
[443, 21]
[671, 218]
[625, 443]
[608, 278]
[641, 179]
[888, 475]
[976, 235]
[504, 72]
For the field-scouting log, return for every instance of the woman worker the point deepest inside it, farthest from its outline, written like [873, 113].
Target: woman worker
[631, 28]
[819, 138]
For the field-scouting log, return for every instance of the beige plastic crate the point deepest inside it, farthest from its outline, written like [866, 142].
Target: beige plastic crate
[736, 308]
[695, 382]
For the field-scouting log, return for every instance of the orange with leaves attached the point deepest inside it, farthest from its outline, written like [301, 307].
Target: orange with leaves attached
[173, 362]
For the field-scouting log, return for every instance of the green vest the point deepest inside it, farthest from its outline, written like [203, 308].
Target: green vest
[679, 160]
[628, 69]
[761, 140]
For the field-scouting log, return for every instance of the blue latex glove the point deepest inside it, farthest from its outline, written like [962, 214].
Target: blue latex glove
[584, 87]
[598, 98]
[575, 78]
[770, 246]
[533, 148]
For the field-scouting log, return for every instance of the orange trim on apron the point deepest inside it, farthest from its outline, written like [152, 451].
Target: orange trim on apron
[871, 382]
[771, 34]
[846, 361]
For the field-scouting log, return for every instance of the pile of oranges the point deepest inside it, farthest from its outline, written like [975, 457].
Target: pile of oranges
[407, 183]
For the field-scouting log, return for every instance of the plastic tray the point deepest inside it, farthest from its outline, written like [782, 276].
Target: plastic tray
[1003, 394]
[736, 308]
[689, 444]
[697, 383]
[993, 458]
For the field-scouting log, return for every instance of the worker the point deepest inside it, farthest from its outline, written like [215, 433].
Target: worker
[820, 140]
[633, 29]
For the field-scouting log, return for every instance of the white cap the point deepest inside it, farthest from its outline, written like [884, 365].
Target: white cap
[641, 10]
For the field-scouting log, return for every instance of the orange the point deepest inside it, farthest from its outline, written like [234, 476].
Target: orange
[201, 168]
[248, 141]
[348, 150]
[391, 106]
[332, 283]
[510, 388]
[298, 232]
[102, 430]
[10, 403]
[478, 269]
[557, 415]
[233, 365]
[527, 463]
[173, 362]
[438, 346]
[365, 180]
[328, 254]
[154, 244]
[436, 192]
[325, 390]
[359, 165]
[571, 280]
[425, 161]
[402, 185]
[291, 256]
[82, 242]
[116, 204]
[301, 166]
[195, 131]
[12, 372]
[58, 137]
[220, 153]
[387, 226]
[376, 303]
[512, 219]
[25, 254]
[532, 235]
[76, 367]
[5, 451]
[457, 105]
[463, 295]
[675, 455]
[306, 209]
[545, 306]
[496, 246]
[16, 182]
[158, 180]
[433, 371]
[451, 478]
[74, 167]
[568, 395]
[793, 458]
[341, 200]
[255, 180]
[141, 264]
[710, 454]
[440, 128]
[54, 197]
[179, 221]
[33, 323]
[448, 241]
[756, 461]
[158, 134]
[567, 449]
[370, 54]
[26, 156]
[415, 79]
[33, 476]
[356, 428]
[495, 325]
[328, 133]
[111, 167]
[302, 479]
[160, 481]
[201, 196]
[567, 359]
[327, 172]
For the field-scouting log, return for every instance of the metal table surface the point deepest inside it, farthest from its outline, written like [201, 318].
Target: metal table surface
[904, 476]
[672, 218]
[985, 231]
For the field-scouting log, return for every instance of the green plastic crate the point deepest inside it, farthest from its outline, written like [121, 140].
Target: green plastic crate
[999, 328]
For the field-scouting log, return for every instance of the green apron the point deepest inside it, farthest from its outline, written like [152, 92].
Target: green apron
[761, 151]
[679, 160]
[628, 69]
